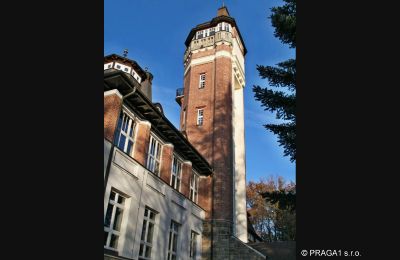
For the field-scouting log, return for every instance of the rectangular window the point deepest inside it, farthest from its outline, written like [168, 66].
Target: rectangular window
[173, 240]
[193, 245]
[202, 81]
[184, 119]
[113, 219]
[194, 187]
[176, 174]
[200, 119]
[146, 239]
[125, 133]
[153, 159]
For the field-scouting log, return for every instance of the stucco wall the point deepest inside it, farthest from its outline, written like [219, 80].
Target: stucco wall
[145, 189]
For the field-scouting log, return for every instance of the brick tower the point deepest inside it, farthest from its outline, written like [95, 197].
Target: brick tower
[212, 118]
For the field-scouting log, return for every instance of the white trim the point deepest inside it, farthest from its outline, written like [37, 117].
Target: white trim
[187, 162]
[144, 122]
[113, 92]
[207, 59]
[169, 145]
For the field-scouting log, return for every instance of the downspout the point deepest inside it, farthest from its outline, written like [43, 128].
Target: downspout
[112, 143]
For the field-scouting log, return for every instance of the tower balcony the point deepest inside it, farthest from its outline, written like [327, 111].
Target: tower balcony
[209, 41]
[179, 96]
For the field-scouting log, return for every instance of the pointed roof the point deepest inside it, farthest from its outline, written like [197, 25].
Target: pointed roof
[223, 11]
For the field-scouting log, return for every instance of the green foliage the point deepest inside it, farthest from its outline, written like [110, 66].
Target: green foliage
[283, 75]
[283, 19]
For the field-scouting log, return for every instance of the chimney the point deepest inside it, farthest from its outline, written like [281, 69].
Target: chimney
[146, 85]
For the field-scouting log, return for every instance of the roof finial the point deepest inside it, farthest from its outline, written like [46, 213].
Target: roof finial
[125, 53]
[223, 3]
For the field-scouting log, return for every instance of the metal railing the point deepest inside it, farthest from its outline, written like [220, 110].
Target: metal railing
[179, 92]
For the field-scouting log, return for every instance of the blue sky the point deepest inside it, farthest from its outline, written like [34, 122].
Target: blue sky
[154, 32]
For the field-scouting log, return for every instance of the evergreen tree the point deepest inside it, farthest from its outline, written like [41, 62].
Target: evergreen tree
[283, 75]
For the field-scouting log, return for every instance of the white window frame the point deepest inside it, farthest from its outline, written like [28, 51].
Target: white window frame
[154, 159]
[193, 244]
[202, 80]
[194, 187]
[111, 229]
[200, 116]
[126, 127]
[176, 173]
[149, 220]
[173, 236]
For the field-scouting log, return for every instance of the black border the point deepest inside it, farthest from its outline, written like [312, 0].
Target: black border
[53, 144]
[346, 113]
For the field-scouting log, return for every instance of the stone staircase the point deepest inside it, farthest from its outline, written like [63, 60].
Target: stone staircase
[282, 250]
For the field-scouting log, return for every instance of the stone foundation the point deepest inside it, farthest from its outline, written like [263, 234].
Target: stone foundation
[224, 244]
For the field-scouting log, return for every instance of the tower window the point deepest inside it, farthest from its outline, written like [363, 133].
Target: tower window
[200, 119]
[118, 66]
[202, 81]
[125, 133]
[126, 69]
[184, 118]
[113, 219]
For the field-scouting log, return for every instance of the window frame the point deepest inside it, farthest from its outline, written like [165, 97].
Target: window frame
[176, 177]
[194, 187]
[144, 244]
[193, 244]
[110, 229]
[200, 117]
[132, 125]
[173, 235]
[202, 80]
[156, 157]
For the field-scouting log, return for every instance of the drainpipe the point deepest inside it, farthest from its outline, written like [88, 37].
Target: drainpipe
[112, 144]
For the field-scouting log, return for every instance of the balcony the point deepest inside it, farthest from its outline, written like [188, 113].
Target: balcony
[179, 96]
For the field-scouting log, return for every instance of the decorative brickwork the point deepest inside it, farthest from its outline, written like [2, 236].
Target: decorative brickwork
[112, 108]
